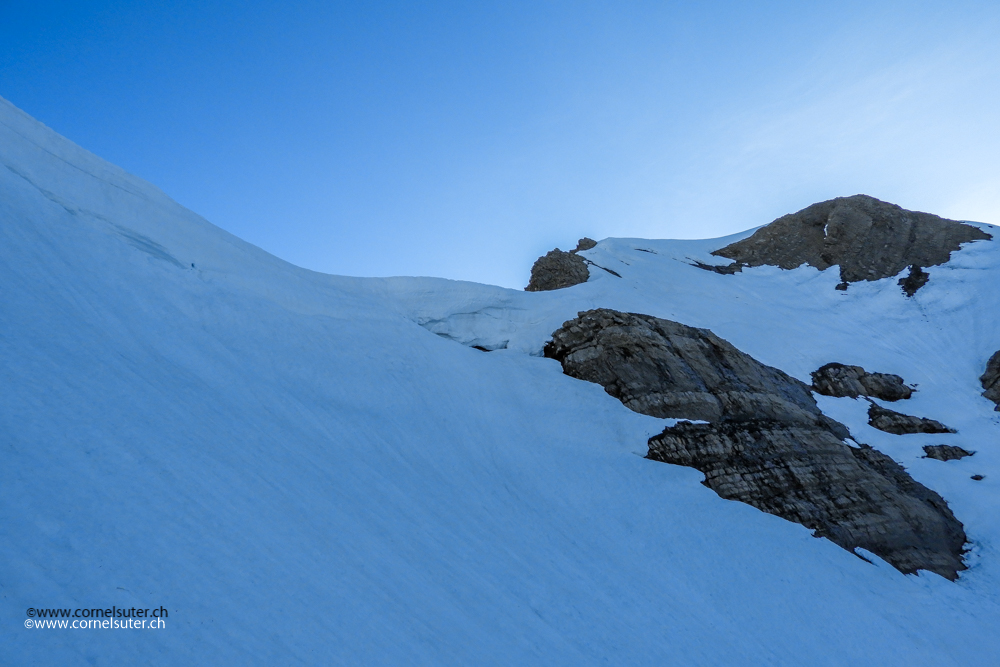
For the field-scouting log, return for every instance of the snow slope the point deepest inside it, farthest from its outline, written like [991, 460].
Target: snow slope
[313, 469]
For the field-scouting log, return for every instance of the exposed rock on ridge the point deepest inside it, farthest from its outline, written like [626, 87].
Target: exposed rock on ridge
[869, 239]
[853, 381]
[558, 269]
[991, 379]
[768, 444]
[900, 424]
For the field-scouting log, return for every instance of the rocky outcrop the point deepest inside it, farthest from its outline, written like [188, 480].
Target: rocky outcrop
[725, 269]
[867, 238]
[558, 269]
[666, 369]
[991, 380]
[767, 444]
[853, 497]
[852, 381]
[945, 452]
[900, 424]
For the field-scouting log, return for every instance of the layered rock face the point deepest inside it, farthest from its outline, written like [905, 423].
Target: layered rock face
[991, 380]
[557, 269]
[768, 444]
[899, 424]
[854, 497]
[852, 381]
[869, 239]
[666, 369]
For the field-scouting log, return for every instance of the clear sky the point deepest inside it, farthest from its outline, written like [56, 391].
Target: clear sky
[464, 139]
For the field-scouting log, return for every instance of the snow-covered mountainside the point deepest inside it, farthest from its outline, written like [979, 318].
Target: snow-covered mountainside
[314, 469]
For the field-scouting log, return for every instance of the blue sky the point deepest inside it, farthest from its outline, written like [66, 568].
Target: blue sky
[464, 139]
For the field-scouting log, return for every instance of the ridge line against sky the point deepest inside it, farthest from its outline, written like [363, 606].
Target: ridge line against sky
[463, 141]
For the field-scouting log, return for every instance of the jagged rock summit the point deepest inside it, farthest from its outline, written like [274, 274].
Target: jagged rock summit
[867, 238]
[767, 445]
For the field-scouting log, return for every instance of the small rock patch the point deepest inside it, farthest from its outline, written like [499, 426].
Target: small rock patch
[841, 380]
[900, 424]
[945, 452]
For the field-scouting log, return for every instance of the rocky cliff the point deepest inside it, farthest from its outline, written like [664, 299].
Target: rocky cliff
[856, 497]
[767, 443]
[666, 369]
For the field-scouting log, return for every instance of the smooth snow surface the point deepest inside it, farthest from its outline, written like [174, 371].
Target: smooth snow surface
[313, 469]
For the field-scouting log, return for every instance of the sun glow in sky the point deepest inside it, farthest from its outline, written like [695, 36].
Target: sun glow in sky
[465, 139]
